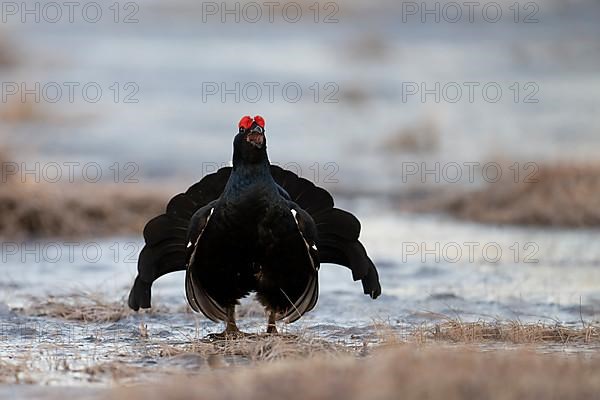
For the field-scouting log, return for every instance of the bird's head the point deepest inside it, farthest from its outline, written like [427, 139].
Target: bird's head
[250, 144]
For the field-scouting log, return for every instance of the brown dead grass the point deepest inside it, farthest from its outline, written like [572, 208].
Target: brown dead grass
[11, 373]
[14, 110]
[86, 307]
[392, 372]
[76, 210]
[118, 371]
[423, 137]
[558, 195]
[306, 366]
[33, 210]
[508, 331]
[8, 57]
[259, 348]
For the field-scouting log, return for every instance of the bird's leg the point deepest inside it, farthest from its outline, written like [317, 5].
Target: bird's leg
[231, 329]
[230, 325]
[271, 327]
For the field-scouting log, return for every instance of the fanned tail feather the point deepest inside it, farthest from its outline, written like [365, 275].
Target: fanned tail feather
[164, 253]
[338, 230]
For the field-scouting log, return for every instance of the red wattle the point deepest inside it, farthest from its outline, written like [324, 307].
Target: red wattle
[245, 122]
[260, 121]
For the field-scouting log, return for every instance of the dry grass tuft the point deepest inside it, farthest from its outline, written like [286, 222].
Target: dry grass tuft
[510, 331]
[259, 348]
[12, 373]
[561, 195]
[393, 372]
[78, 307]
[118, 371]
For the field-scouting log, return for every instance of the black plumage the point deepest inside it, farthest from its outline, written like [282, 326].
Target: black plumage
[253, 227]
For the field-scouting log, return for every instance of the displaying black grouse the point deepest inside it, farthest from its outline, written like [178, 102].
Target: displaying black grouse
[252, 228]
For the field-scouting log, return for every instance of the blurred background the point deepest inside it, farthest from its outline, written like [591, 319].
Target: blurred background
[435, 122]
[174, 80]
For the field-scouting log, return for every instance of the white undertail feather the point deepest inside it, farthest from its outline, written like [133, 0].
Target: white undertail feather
[200, 235]
[308, 246]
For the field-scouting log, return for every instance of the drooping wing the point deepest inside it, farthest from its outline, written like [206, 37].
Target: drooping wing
[307, 300]
[197, 297]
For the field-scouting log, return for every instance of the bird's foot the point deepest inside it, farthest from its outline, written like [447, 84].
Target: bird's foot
[272, 329]
[227, 335]
[231, 332]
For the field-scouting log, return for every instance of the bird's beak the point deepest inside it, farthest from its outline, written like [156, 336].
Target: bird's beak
[256, 136]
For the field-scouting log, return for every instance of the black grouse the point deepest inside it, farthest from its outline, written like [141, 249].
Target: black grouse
[252, 228]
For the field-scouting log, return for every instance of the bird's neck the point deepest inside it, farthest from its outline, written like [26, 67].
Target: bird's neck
[258, 170]
[249, 177]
